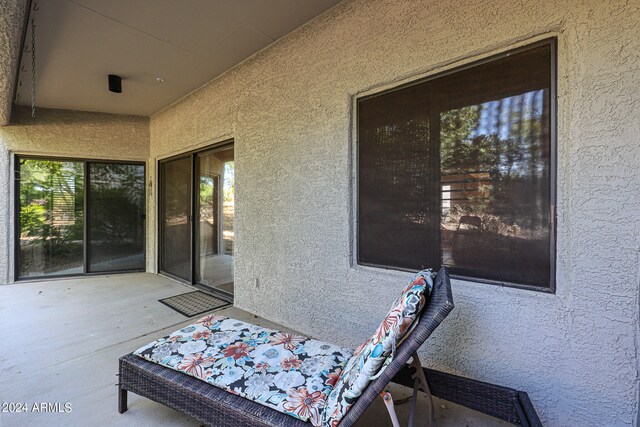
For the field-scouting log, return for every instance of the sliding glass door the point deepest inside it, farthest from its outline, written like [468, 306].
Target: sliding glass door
[196, 218]
[78, 216]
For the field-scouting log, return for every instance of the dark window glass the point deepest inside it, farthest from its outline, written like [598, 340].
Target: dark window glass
[457, 171]
[175, 221]
[116, 217]
[51, 204]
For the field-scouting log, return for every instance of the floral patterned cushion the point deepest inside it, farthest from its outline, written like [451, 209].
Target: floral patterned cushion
[289, 373]
[373, 355]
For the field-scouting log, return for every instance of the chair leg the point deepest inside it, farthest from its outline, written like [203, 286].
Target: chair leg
[421, 382]
[122, 400]
[414, 403]
[388, 402]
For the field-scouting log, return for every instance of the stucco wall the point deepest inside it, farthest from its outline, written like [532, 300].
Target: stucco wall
[12, 22]
[289, 111]
[62, 133]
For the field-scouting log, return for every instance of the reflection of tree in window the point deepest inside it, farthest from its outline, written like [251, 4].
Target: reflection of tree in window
[493, 161]
[456, 170]
[490, 158]
[51, 216]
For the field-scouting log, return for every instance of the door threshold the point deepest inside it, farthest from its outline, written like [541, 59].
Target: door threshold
[226, 296]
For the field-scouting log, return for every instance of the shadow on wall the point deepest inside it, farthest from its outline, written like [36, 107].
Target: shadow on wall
[21, 116]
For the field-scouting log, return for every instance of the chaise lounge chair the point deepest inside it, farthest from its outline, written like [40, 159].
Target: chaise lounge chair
[216, 406]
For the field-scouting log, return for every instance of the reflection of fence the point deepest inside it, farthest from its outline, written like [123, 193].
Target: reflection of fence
[463, 188]
[63, 212]
[474, 241]
[63, 201]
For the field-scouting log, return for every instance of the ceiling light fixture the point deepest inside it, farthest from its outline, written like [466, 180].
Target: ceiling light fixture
[115, 83]
[159, 79]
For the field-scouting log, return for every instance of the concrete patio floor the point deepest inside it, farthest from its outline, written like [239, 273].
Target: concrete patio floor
[63, 338]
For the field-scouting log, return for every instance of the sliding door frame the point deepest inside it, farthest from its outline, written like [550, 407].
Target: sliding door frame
[223, 145]
[85, 246]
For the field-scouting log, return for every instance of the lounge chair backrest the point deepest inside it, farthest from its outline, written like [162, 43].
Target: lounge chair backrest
[371, 358]
[437, 308]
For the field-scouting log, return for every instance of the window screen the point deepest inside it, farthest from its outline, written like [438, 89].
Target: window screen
[116, 217]
[457, 171]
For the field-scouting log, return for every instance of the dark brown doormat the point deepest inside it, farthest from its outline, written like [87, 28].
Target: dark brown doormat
[193, 303]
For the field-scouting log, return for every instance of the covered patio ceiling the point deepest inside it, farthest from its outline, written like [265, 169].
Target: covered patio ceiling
[162, 49]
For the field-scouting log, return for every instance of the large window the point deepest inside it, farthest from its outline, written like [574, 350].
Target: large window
[77, 216]
[458, 170]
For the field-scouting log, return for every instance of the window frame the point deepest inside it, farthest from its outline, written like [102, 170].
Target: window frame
[85, 251]
[552, 42]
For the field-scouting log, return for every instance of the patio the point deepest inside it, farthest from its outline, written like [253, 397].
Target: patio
[78, 328]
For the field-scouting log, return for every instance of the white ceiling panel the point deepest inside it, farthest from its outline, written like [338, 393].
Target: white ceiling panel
[271, 16]
[187, 43]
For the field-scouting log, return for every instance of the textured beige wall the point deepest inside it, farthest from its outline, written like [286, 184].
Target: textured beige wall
[12, 22]
[62, 133]
[289, 110]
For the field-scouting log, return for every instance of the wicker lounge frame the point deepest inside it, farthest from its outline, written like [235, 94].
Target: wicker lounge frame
[214, 406]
